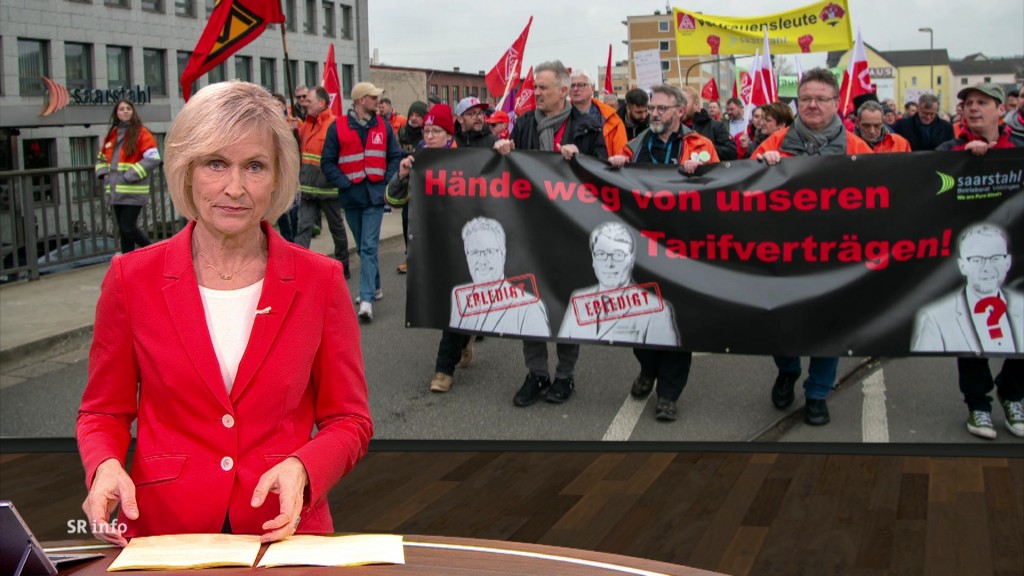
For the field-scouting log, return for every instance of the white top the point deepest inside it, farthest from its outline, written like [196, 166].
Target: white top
[229, 317]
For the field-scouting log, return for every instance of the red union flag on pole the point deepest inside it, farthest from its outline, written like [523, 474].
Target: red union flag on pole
[856, 78]
[608, 88]
[505, 73]
[232, 25]
[710, 91]
[524, 101]
[330, 82]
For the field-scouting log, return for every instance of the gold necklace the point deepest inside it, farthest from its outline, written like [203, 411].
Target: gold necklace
[224, 276]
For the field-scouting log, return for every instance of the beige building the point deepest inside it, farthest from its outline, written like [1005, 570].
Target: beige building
[620, 78]
[405, 85]
[904, 75]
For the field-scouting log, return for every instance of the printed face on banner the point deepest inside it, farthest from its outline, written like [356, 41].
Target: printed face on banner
[613, 261]
[485, 256]
[984, 262]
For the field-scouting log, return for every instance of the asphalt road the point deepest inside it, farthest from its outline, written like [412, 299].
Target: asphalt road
[727, 398]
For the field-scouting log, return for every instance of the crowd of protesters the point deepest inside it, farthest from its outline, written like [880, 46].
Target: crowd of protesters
[360, 162]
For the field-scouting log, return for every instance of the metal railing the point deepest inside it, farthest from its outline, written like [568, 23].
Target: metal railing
[53, 218]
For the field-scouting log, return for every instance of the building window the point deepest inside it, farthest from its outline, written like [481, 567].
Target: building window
[82, 150]
[153, 6]
[210, 5]
[218, 73]
[289, 16]
[309, 27]
[312, 74]
[40, 154]
[329, 19]
[182, 63]
[293, 69]
[987, 79]
[913, 80]
[444, 96]
[963, 81]
[938, 80]
[154, 68]
[663, 26]
[346, 22]
[665, 65]
[663, 46]
[119, 67]
[268, 76]
[455, 93]
[78, 65]
[243, 68]
[33, 62]
[433, 89]
[117, 3]
[186, 8]
[347, 74]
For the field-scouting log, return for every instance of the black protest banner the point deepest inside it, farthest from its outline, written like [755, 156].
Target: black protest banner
[851, 255]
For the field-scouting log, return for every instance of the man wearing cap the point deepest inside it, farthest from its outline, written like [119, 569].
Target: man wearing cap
[924, 130]
[470, 113]
[553, 126]
[581, 94]
[983, 109]
[360, 155]
[872, 130]
[499, 122]
[411, 135]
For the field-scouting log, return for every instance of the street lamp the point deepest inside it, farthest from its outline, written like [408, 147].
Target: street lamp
[931, 56]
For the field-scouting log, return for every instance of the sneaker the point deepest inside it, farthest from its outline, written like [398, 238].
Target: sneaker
[782, 391]
[560, 390]
[403, 267]
[378, 295]
[642, 386]
[441, 382]
[816, 412]
[666, 410]
[366, 311]
[467, 355]
[979, 423]
[316, 231]
[533, 388]
[1014, 416]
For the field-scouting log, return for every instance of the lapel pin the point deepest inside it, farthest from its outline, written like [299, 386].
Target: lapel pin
[263, 310]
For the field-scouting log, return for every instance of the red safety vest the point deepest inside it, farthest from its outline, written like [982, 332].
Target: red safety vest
[357, 163]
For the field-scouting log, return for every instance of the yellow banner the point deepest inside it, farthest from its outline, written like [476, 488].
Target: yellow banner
[818, 27]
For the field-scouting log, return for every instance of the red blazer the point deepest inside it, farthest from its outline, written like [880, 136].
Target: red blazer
[200, 452]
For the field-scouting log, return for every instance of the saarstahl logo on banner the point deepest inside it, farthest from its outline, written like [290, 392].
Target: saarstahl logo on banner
[980, 186]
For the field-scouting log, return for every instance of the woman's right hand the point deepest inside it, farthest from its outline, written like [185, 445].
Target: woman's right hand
[110, 486]
[405, 166]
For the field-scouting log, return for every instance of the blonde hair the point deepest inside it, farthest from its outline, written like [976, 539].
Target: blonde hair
[218, 116]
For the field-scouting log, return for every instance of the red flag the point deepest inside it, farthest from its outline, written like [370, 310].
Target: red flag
[765, 90]
[505, 73]
[710, 91]
[330, 82]
[746, 86]
[524, 101]
[735, 88]
[608, 88]
[232, 25]
[856, 78]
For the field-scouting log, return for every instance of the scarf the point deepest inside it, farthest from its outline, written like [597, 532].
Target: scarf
[802, 141]
[548, 125]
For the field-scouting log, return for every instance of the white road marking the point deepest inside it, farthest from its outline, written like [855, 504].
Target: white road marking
[874, 421]
[625, 420]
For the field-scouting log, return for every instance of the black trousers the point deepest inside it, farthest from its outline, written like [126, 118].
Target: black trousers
[128, 227]
[670, 367]
[976, 381]
[449, 351]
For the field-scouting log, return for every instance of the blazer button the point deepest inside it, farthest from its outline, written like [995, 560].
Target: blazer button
[226, 463]
[228, 421]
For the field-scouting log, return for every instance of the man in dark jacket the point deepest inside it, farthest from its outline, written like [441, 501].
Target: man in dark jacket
[634, 113]
[698, 120]
[554, 126]
[471, 115]
[360, 155]
[924, 130]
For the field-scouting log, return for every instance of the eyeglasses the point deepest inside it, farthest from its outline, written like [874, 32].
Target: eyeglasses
[473, 112]
[579, 85]
[434, 132]
[485, 253]
[979, 261]
[661, 109]
[617, 256]
[820, 100]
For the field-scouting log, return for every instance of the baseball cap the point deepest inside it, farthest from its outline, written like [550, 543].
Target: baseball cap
[365, 89]
[498, 117]
[466, 103]
[988, 89]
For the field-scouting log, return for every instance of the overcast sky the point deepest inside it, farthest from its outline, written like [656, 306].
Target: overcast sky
[472, 34]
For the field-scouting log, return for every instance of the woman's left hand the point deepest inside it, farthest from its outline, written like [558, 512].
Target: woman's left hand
[288, 480]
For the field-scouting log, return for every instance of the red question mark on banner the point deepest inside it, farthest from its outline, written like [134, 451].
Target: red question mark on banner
[996, 309]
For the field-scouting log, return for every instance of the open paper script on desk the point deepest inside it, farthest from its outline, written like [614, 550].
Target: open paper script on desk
[355, 550]
[177, 551]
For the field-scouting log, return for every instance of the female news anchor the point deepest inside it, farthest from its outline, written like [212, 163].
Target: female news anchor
[123, 166]
[227, 344]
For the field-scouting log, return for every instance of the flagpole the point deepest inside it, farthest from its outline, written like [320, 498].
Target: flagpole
[288, 69]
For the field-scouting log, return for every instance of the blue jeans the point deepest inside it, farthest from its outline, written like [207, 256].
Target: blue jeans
[365, 224]
[821, 374]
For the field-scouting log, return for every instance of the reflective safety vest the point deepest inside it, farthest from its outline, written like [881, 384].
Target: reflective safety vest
[357, 163]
